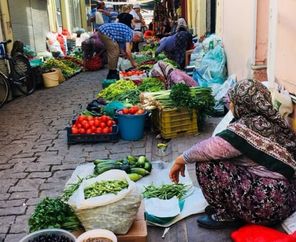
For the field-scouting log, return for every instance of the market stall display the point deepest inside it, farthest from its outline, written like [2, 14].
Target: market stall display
[90, 129]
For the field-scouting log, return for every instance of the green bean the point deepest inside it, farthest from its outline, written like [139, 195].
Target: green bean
[104, 187]
[166, 191]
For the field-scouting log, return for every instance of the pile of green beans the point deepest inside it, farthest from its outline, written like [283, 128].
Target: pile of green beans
[104, 187]
[166, 191]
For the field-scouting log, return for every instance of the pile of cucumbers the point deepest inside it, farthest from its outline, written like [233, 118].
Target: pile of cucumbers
[136, 167]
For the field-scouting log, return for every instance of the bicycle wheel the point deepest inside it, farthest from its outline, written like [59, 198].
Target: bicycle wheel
[22, 77]
[4, 90]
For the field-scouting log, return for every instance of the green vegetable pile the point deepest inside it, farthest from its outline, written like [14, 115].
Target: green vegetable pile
[179, 96]
[104, 187]
[53, 63]
[136, 167]
[151, 84]
[113, 91]
[194, 98]
[166, 191]
[53, 213]
[131, 96]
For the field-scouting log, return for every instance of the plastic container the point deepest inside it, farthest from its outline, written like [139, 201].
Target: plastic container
[92, 138]
[131, 127]
[60, 232]
[97, 233]
[108, 82]
[174, 122]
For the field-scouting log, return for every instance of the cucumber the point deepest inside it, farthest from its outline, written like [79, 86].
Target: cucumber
[141, 160]
[140, 171]
[148, 166]
[134, 176]
[101, 169]
[131, 159]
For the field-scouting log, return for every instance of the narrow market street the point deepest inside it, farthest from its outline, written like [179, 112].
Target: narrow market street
[36, 160]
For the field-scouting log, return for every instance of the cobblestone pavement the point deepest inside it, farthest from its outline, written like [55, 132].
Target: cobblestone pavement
[35, 160]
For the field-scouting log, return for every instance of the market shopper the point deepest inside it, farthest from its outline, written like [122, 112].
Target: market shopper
[116, 37]
[246, 172]
[138, 24]
[125, 17]
[175, 46]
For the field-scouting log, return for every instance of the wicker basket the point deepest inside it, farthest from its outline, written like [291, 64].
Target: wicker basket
[51, 79]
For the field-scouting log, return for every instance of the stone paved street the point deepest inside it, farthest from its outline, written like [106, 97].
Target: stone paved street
[35, 160]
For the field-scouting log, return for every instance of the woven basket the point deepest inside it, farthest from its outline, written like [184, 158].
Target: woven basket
[93, 64]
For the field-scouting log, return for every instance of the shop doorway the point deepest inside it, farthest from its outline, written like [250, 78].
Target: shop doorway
[211, 16]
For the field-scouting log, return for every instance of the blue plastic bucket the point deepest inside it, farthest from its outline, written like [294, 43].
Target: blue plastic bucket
[131, 127]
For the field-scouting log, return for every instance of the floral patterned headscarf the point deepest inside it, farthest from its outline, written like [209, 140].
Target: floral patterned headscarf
[260, 127]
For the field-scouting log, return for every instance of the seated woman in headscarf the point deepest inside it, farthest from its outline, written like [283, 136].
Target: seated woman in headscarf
[175, 46]
[246, 172]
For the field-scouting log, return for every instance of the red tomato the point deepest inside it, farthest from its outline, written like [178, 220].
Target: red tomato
[79, 125]
[93, 128]
[96, 122]
[90, 118]
[140, 111]
[82, 131]
[105, 130]
[110, 123]
[99, 130]
[113, 122]
[91, 122]
[110, 129]
[75, 130]
[85, 124]
[125, 111]
[104, 118]
[80, 119]
[88, 131]
[102, 125]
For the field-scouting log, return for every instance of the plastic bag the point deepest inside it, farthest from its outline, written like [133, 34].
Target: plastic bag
[258, 233]
[220, 93]
[281, 99]
[212, 39]
[115, 212]
[99, 18]
[212, 68]
[124, 64]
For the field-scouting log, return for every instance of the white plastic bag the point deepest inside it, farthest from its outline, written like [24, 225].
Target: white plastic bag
[114, 212]
[99, 18]
[281, 99]
[78, 201]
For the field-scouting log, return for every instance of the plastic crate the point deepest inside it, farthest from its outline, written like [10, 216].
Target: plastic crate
[175, 122]
[92, 138]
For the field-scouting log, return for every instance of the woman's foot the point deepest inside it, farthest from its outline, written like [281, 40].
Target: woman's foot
[211, 222]
[210, 210]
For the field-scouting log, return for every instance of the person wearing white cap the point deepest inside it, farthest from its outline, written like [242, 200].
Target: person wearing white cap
[138, 20]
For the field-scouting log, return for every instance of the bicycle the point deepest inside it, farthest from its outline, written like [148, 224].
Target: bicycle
[19, 74]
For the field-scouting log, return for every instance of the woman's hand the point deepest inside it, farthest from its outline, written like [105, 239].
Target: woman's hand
[177, 168]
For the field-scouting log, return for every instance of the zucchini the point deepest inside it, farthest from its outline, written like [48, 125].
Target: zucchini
[140, 171]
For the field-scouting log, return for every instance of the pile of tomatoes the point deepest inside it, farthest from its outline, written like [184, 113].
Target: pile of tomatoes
[93, 125]
[131, 73]
[134, 110]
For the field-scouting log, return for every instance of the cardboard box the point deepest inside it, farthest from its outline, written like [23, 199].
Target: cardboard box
[138, 231]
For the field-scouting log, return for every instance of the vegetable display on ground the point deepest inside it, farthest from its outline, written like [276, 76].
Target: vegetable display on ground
[112, 92]
[136, 167]
[53, 213]
[93, 125]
